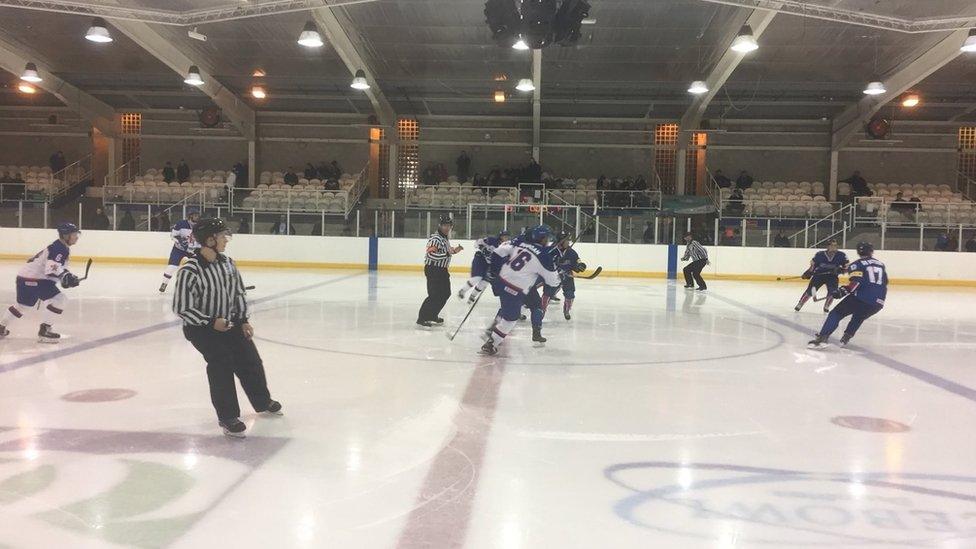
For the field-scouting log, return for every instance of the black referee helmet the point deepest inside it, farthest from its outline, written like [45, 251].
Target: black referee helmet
[207, 227]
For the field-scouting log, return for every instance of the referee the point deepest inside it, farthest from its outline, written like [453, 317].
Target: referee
[211, 301]
[436, 262]
[699, 258]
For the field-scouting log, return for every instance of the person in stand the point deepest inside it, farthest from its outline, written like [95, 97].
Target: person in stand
[182, 171]
[101, 221]
[169, 174]
[291, 178]
[244, 227]
[533, 172]
[240, 173]
[735, 202]
[640, 184]
[282, 226]
[942, 242]
[744, 181]
[436, 262]
[58, 162]
[722, 180]
[863, 297]
[648, 236]
[127, 223]
[699, 258]
[38, 281]
[823, 270]
[463, 163]
[781, 241]
[332, 184]
[336, 169]
[310, 171]
[859, 185]
[211, 301]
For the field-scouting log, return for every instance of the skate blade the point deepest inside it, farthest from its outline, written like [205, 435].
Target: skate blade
[48, 340]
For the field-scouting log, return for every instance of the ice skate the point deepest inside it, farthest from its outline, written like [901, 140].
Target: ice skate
[46, 335]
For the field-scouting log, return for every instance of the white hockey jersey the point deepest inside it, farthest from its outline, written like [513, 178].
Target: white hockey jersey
[182, 235]
[48, 264]
[525, 264]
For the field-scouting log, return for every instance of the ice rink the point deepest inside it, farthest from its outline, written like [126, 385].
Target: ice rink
[656, 418]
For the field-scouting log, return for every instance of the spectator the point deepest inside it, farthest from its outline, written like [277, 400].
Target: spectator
[291, 178]
[735, 204]
[161, 222]
[942, 242]
[533, 172]
[916, 203]
[58, 162]
[722, 180]
[101, 221]
[440, 172]
[648, 236]
[781, 241]
[463, 166]
[182, 171]
[899, 204]
[429, 177]
[336, 170]
[310, 171]
[640, 184]
[325, 170]
[169, 174]
[479, 180]
[332, 184]
[127, 223]
[601, 183]
[495, 177]
[244, 227]
[859, 186]
[744, 181]
[282, 226]
[971, 244]
[240, 171]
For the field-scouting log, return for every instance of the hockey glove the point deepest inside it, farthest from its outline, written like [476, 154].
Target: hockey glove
[69, 280]
[839, 293]
[807, 275]
[580, 267]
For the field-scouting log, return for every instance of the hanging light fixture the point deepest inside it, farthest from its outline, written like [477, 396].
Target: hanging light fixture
[875, 88]
[911, 100]
[30, 73]
[310, 37]
[258, 92]
[359, 81]
[98, 32]
[525, 85]
[698, 87]
[26, 87]
[745, 42]
[500, 96]
[520, 44]
[193, 76]
[969, 45]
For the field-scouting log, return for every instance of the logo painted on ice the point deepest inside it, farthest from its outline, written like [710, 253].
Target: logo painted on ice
[788, 508]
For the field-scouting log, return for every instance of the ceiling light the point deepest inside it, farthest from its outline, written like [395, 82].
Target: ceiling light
[359, 82]
[98, 32]
[310, 37]
[875, 88]
[745, 42]
[969, 45]
[193, 76]
[698, 87]
[499, 96]
[259, 73]
[520, 44]
[258, 92]
[911, 100]
[30, 73]
[196, 35]
[26, 87]
[525, 85]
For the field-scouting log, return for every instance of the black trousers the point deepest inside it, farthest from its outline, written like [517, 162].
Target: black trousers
[438, 292]
[230, 354]
[694, 270]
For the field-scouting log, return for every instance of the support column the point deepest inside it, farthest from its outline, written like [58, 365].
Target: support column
[392, 165]
[537, 105]
[832, 189]
[681, 165]
[252, 163]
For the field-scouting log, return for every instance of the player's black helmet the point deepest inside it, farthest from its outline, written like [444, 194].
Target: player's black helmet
[504, 232]
[207, 227]
[865, 249]
[540, 233]
[563, 235]
[445, 220]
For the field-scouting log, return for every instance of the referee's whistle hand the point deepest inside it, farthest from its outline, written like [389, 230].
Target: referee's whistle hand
[221, 324]
[248, 330]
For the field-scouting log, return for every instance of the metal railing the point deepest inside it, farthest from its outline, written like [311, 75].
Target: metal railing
[793, 209]
[456, 197]
[161, 195]
[874, 210]
[811, 230]
[966, 185]
[296, 199]
[358, 189]
[123, 174]
[71, 176]
[197, 199]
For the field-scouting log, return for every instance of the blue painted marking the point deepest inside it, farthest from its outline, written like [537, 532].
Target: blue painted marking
[672, 261]
[373, 252]
[108, 340]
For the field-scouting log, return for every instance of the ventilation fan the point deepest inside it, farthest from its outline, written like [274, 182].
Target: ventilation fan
[210, 117]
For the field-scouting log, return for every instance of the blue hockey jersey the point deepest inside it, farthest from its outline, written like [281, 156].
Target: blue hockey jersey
[871, 278]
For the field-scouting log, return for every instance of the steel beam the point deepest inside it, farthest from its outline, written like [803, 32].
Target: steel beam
[13, 58]
[537, 105]
[851, 121]
[240, 114]
[759, 20]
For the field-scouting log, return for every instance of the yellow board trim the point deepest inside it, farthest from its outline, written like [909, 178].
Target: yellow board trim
[462, 270]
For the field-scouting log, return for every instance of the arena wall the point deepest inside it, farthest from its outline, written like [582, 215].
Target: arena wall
[403, 254]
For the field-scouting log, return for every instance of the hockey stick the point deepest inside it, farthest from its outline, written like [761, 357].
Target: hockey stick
[592, 275]
[782, 278]
[87, 268]
[248, 288]
[465, 319]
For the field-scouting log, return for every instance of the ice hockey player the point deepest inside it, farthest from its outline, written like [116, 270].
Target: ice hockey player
[484, 247]
[865, 296]
[567, 264]
[38, 281]
[183, 245]
[824, 268]
[515, 269]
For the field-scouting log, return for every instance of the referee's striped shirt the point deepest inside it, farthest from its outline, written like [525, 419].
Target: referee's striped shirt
[438, 251]
[206, 291]
[695, 251]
